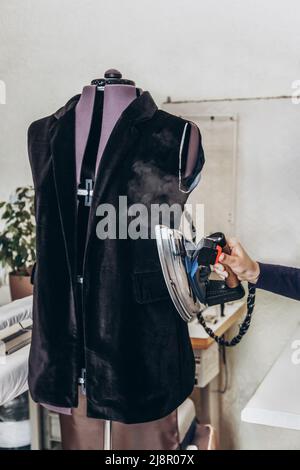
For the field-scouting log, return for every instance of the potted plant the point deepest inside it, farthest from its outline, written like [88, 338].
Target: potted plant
[17, 240]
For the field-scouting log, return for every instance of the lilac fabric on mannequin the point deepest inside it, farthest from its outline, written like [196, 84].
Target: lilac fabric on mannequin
[116, 100]
[57, 409]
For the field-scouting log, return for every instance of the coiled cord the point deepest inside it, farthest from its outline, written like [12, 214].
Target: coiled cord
[244, 326]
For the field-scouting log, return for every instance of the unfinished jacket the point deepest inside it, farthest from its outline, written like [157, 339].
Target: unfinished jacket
[138, 356]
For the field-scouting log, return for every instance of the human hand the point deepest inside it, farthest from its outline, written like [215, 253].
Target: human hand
[239, 261]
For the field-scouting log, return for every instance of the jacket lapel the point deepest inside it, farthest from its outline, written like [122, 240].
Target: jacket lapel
[123, 137]
[62, 141]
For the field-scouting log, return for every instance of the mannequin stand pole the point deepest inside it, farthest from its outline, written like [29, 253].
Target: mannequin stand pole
[107, 435]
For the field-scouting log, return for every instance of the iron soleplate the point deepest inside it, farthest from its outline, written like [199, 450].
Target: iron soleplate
[171, 246]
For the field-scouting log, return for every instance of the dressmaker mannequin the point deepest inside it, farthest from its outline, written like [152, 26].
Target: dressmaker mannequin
[117, 96]
[117, 93]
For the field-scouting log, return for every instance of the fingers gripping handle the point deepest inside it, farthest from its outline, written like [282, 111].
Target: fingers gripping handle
[217, 244]
[208, 252]
[231, 280]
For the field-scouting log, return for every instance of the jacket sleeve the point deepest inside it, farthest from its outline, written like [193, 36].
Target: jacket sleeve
[280, 280]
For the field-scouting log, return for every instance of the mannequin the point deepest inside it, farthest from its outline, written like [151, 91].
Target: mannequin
[116, 98]
[117, 94]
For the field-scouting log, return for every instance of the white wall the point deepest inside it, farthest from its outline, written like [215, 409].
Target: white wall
[193, 49]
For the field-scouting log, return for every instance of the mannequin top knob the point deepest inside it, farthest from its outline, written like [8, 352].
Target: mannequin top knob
[112, 73]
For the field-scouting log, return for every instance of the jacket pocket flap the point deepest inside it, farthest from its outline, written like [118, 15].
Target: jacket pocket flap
[149, 287]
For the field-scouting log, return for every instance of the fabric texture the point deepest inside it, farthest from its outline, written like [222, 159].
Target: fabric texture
[138, 356]
[280, 280]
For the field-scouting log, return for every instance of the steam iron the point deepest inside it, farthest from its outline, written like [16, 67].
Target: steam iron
[186, 269]
[172, 251]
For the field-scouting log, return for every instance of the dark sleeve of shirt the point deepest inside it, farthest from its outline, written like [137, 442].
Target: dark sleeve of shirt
[280, 280]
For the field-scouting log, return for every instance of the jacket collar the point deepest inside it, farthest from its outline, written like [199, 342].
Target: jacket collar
[69, 105]
[140, 109]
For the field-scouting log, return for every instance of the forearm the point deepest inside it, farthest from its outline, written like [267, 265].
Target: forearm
[280, 280]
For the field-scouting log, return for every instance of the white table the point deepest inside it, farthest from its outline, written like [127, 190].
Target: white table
[277, 400]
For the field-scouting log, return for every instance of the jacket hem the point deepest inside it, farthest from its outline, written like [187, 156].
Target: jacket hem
[108, 414]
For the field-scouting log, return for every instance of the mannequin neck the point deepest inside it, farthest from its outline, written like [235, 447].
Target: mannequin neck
[116, 98]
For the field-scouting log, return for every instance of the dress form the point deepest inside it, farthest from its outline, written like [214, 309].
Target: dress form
[117, 97]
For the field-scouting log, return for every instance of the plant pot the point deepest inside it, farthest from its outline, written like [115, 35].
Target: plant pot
[20, 286]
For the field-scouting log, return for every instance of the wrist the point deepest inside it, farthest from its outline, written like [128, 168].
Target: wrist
[254, 273]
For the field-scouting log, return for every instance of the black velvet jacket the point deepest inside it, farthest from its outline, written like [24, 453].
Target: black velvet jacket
[139, 360]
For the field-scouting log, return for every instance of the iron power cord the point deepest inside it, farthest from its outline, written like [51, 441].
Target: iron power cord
[243, 328]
